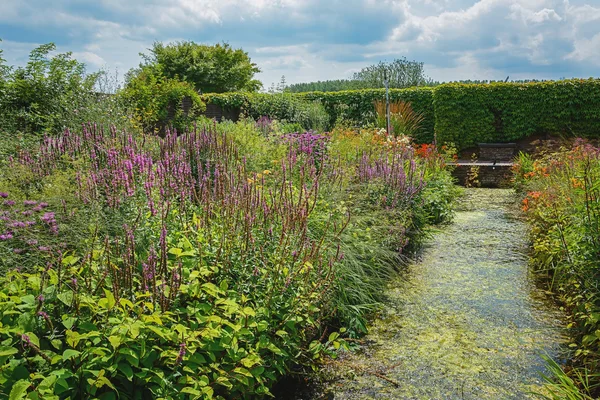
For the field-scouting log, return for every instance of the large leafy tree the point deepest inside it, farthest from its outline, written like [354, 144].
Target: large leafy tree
[401, 73]
[210, 69]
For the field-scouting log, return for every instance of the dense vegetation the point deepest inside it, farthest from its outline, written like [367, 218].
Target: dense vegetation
[207, 263]
[467, 114]
[209, 69]
[212, 259]
[561, 191]
[51, 92]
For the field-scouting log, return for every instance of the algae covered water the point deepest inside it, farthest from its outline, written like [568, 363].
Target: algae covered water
[464, 322]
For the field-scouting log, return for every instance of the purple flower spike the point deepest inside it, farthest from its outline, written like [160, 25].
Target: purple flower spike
[6, 236]
[3, 195]
[29, 202]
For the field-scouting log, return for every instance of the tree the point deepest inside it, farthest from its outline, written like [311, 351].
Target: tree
[4, 69]
[401, 73]
[46, 94]
[210, 69]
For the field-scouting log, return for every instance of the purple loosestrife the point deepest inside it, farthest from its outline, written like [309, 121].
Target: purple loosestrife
[6, 236]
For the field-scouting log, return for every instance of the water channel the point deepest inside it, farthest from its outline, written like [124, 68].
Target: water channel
[465, 321]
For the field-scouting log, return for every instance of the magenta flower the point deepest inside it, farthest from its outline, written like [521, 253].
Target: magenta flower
[6, 236]
[3, 195]
[48, 217]
[29, 202]
[9, 203]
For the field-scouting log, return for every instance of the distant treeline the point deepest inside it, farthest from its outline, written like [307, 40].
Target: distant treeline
[338, 85]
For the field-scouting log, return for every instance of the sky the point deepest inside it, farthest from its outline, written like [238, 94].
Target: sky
[309, 40]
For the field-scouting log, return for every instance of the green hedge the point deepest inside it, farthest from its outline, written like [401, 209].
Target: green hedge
[467, 114]
[358, 105]
[463, 114]
[354, 105]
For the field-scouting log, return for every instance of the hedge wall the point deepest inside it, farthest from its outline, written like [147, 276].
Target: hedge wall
[354, 105]
[467, 114]
[463, 114]
[358, 105]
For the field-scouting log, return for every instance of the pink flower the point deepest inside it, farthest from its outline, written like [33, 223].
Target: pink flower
[6, 236]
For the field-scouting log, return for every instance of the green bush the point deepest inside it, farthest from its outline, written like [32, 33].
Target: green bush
[157, 101]
[286, 107]
[355, 106]
[46, 94]
[561, 201]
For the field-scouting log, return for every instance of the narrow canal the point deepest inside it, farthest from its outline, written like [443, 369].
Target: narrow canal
[465, 321]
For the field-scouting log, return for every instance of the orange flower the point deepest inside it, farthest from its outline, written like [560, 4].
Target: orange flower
[577, 183]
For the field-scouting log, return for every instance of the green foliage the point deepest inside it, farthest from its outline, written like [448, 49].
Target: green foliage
[403, 119]
[283, 107]
[465, 114]
[400, 73]
[358, 107]
[200, 265]
[52, 93]
[355, 107]
[327, 86]
[43, 95]
[562, 203]
[209, 69]
[157, 101]
[504, 112]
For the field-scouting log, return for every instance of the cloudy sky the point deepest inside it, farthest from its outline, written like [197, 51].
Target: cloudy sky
[309, 40]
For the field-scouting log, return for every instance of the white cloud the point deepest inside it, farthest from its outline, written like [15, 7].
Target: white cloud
[311, 40]
[90, 58]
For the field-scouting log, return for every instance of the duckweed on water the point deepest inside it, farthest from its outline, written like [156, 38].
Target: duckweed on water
[465, 321]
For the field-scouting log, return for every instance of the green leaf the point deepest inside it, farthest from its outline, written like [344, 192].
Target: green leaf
[29, 299]
[66, 297]
[70, 353]
[7, 351]
[68, 322]
[223, 381]
[111, 298]
[115, 341]
[19, 390]
[126, 370]
[242, 371]
[70, 260]
[190, 390]
[203, 380]
[34, 339]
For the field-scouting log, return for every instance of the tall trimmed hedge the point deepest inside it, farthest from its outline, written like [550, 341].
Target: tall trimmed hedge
[463, 114]
[467, 114]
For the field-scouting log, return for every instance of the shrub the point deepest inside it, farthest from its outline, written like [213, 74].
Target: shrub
[157, 101]
[47, 94]
[562, 203]
[403, 119]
